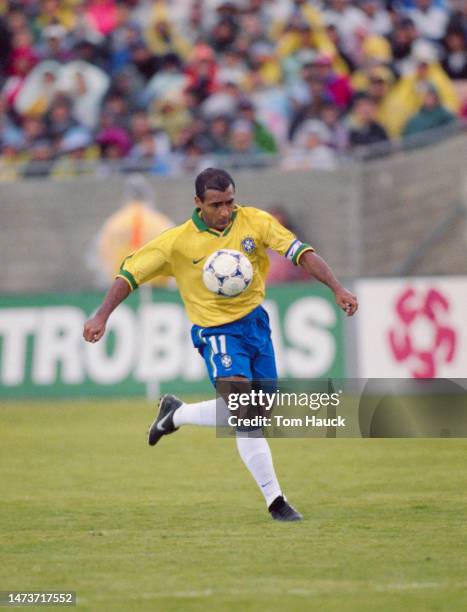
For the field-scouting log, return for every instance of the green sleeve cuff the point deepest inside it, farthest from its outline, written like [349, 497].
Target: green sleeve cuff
[129, 278]
[299, 253]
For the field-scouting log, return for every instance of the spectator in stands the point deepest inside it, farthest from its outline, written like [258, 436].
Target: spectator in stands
[23, 55]
[429, 18]
[263, 138]
[310, 148]
[15, 21]
[337, 87]
[431, 115]
[139, 126]
[170, 115]
[101, 15]
[54, 45]
[145, 155]
[364, 129]
[347, 19]
[311, 108]
[134, 224]
[347, 64]
[116, 106]
[458, 19]
[232, 67]
[377, 83]
[162, 37]
[59, 119]
[76, 154]
[219, 135]
[86, 86]
[92, 52]
[254, 24]
[318, 69]
[129, 85]
[169, 80]
[223, 35]
[199, 130]
[144, 60]
[224, 101]
[37, 90]
[377, 17]
[191, 157]
[297, 12]
[33, 130]
[401, 40]
[23, 58]
[338, 136]
[114, 142]
[370, 48]
[265, 69]
[51, 12]
[202, 72]
[125, 35]
[242, 141]
[302, 36]
[455, 57]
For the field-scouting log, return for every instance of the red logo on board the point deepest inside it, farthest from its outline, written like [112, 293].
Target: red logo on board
[422, 336]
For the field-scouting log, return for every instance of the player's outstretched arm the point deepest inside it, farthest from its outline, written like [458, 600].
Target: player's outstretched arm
[317, 267]
[94, 328]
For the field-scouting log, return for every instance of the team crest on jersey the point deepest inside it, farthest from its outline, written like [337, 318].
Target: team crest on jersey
[248, 244]
[226, 361]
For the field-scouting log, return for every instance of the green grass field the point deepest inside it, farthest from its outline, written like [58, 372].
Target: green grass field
[87, 506]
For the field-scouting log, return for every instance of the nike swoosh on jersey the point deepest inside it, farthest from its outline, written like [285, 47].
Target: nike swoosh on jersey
[195, 261]
[160, 425]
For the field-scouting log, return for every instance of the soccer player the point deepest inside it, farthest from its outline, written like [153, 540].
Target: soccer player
[231, 334]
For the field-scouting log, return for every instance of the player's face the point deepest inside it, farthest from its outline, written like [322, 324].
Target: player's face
[217, 207]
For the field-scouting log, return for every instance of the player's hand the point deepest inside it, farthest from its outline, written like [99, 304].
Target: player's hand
[347, 301]
[94, 329]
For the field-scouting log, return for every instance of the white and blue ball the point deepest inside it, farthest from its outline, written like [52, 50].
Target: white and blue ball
[227, 272]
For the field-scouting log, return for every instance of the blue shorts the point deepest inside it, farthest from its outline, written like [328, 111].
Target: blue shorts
[241, 348]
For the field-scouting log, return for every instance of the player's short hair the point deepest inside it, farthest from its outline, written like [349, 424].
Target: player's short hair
[212, 178]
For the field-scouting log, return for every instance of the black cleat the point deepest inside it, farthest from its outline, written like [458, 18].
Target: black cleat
[281, 510]
[163, 423]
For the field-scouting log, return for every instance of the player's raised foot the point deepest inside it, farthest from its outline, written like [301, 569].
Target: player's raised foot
[281, 510]
[163, 423]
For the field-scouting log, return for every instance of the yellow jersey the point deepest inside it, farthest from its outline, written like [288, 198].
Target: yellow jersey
[182, 251]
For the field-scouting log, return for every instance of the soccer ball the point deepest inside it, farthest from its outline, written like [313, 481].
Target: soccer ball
[227, 272]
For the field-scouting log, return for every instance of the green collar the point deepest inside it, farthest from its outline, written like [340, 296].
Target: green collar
[202, 227]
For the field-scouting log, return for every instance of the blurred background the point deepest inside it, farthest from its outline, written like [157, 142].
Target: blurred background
[345, 119]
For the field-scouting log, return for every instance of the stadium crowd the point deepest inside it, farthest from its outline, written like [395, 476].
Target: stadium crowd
[167, 86]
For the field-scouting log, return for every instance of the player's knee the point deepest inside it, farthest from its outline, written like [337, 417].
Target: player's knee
[232, 386]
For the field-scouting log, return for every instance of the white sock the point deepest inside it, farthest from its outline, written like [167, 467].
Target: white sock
[206, 414]
[256, 455]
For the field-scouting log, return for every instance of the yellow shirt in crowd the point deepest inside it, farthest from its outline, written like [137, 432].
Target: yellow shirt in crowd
[127, 230]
